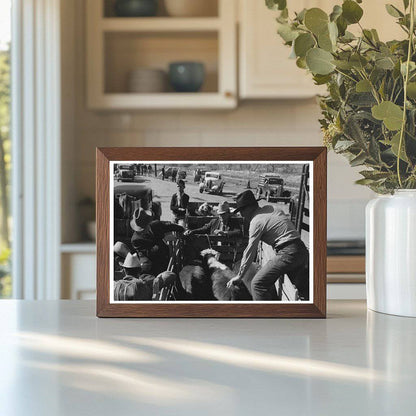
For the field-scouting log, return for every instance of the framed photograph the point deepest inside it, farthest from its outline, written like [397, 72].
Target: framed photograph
[211, 232]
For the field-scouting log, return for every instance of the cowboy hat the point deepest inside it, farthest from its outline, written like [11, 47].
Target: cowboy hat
[131, 261]
[141, 218]
[121, 249]
[245, 199]
[223, 207]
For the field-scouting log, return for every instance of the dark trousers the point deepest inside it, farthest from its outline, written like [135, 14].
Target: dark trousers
[290, 260]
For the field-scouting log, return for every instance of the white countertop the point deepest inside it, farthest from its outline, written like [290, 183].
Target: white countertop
[57, 359]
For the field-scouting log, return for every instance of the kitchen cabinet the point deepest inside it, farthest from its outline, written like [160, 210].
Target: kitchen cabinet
[116, 46]
[265, 70]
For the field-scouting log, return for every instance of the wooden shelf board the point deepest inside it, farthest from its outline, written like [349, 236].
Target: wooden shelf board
[163, 101]
[160, 24]
[346, 264]
[79, 247]
[345, 278]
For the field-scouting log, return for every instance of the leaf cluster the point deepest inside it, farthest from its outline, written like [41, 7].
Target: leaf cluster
[366, 116]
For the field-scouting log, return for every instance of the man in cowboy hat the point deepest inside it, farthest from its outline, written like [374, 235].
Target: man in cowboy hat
[179, 203]
[132, 286]
[148, 238]
[131, 265]
[120, 253]
[272, 226]
[224, 224]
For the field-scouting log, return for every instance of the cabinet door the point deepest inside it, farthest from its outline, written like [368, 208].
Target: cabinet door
[265, 68]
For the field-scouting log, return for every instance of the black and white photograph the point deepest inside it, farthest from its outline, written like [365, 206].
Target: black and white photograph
[211, 232]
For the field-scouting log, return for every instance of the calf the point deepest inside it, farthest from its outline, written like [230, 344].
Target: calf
[220, 275]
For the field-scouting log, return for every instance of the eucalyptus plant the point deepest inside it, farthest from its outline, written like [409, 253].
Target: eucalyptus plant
[369, 112]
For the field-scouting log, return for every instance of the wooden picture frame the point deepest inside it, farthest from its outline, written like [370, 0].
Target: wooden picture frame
[315, 157]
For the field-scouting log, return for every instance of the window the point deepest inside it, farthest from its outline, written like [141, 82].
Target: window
[5, 145]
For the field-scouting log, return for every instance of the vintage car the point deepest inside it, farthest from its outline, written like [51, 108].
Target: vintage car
[272, 188]
[125, 173]
[212, 183]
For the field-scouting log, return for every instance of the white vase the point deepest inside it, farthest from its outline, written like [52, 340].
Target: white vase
[391, 253]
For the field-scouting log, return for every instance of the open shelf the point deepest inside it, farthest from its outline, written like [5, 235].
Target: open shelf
[127, 51]
[195, 101]
[160, 24]
[116, 46]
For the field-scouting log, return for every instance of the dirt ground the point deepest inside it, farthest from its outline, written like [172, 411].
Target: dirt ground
[164, 189]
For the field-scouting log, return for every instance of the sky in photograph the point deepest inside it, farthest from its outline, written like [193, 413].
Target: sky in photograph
[5, 30]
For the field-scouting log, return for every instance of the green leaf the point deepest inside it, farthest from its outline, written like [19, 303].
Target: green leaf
[390, 113]
[375, 35]
[325, 43]
[368, 36]
[412, 67]
[361, 99]
[303, 43]
[393, 11]
[284, 13]
[286, 32]
[316, 20]
[319, 61]
[394, 144]
[382, 88]
[411, 90]
[276, 4]
[301, 63]
[321, 79]
[336, 12]
[343, 65]
[374, 175]
[333, 32]
[347, 37]
[385, 63]
[358, 61]
[351, 11]
[364, 182]
[300, 17]
[406, 4]
[343, 145]
[363, 86]
[374, 150]
[342, 25]
[353, 130]
[358, 160]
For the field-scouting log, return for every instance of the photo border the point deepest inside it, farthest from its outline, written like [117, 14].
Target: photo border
[315, 308]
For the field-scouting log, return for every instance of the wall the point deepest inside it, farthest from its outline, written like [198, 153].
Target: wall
[265, 123]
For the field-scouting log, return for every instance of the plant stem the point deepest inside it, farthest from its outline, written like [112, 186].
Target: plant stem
[373, 89]
[406, 80]
[345, 75]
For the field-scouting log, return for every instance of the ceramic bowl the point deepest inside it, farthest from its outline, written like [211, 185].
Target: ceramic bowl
[147, 80]
[186, 76]
[136, 8]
